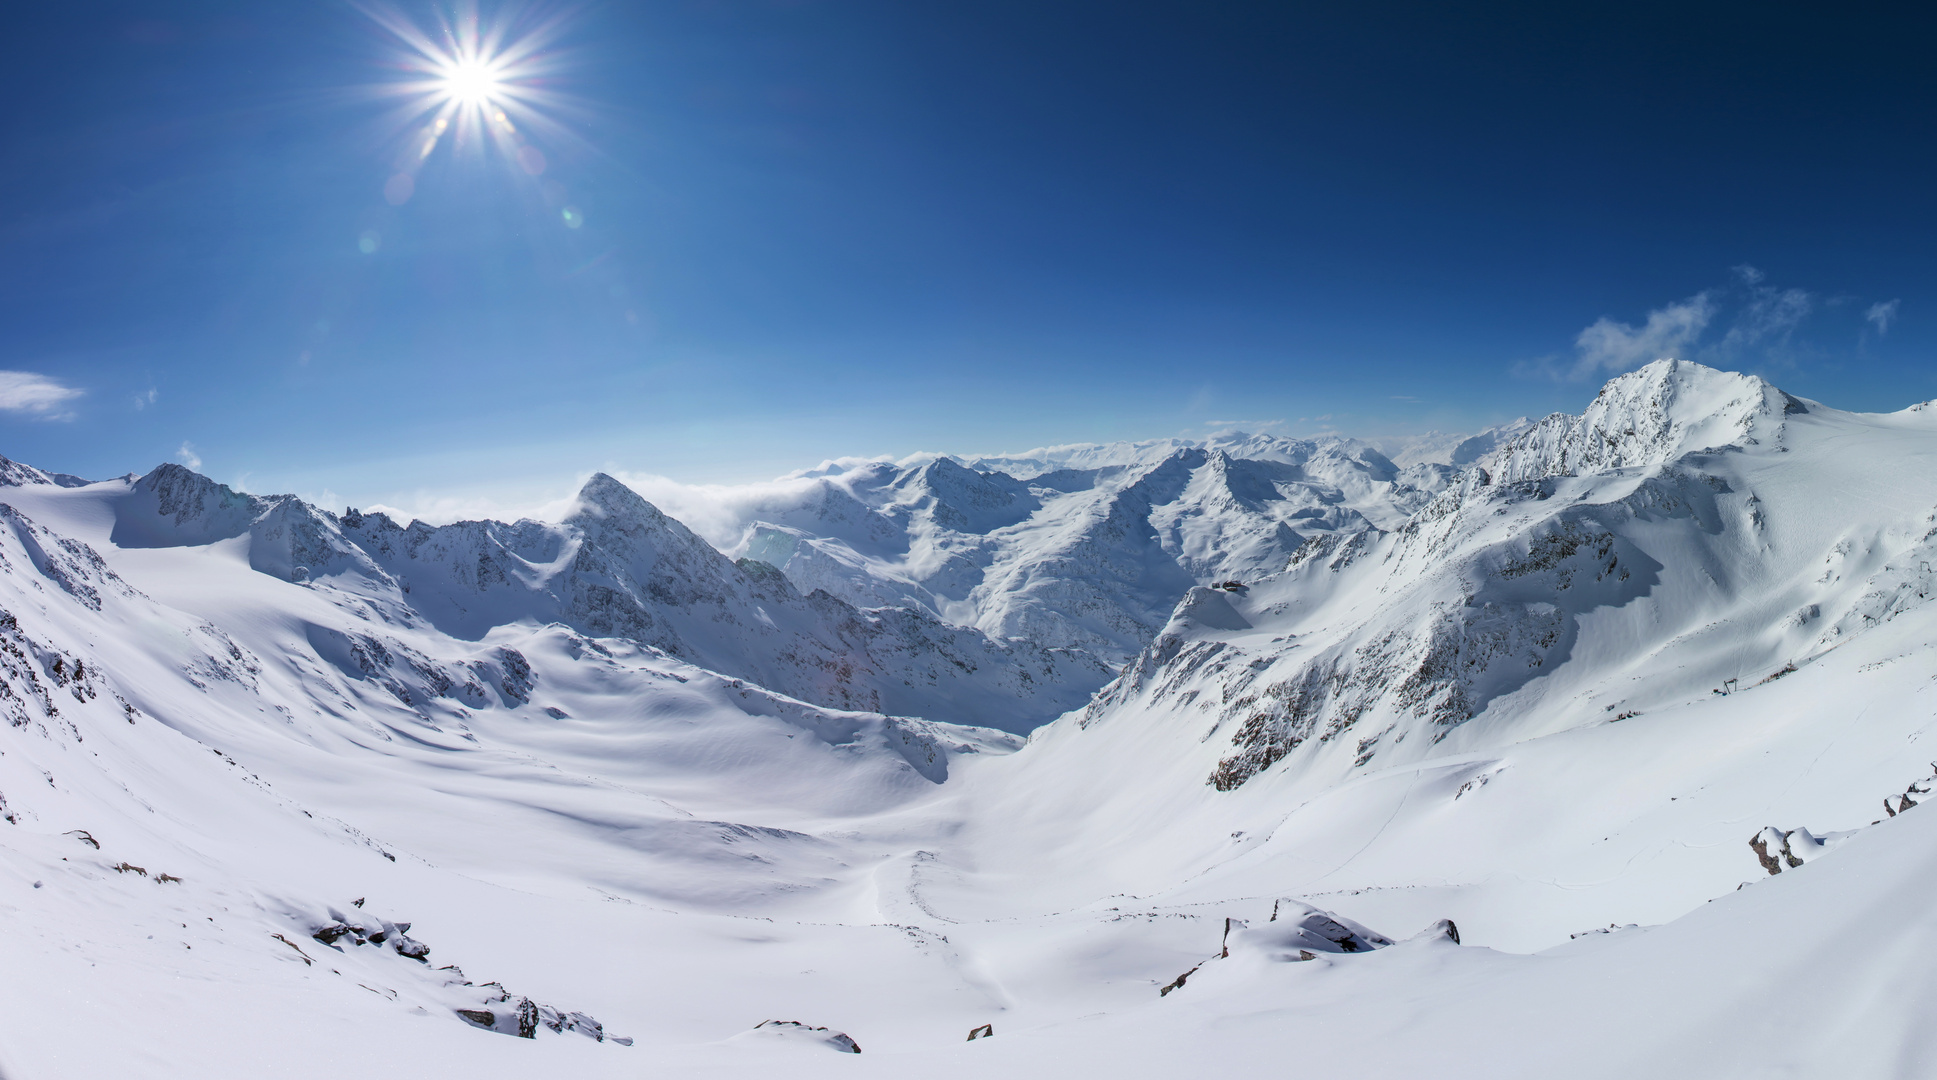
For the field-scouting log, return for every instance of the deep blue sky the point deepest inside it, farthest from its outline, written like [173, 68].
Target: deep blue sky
[823, 227]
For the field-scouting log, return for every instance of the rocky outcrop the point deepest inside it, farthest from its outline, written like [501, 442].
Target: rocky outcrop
[371, 931]
[1295, 933]
[1779, 849]
[489, 1006]
[793, 1030]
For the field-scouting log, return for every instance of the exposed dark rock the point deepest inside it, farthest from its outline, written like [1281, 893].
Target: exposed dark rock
[839, 1040]
[1178, 982]
[299, 952]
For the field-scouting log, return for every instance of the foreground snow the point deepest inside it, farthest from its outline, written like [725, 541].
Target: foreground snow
[269, 772]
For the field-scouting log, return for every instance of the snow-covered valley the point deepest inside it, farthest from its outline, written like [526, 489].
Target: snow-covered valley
[1442, 758]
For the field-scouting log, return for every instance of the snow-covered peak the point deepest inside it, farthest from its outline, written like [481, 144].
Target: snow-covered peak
[1647, 417]
[14, 474]
[173, 506]
[962, 499]
[603, 498]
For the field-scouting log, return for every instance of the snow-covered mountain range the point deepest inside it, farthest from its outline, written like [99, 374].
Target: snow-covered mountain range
[1586, 745]
[1083, 547]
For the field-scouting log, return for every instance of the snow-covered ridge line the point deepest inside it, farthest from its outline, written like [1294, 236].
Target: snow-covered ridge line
[614, 567]
[1669, 513]
[1549, 691]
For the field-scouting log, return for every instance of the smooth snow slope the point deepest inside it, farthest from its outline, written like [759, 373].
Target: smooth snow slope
[1560, 696]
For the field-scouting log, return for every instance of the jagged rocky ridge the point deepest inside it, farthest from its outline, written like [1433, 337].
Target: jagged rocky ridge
[1643, 524]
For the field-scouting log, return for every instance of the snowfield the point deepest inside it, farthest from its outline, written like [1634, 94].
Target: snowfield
[1587, 746]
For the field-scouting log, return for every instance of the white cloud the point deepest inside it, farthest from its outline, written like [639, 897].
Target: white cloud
[718, 511]
[836, 466]
[1883, 315]
[36, 395]
[1759, 318]
[142, 401]
[1613, 346]
[187, 456]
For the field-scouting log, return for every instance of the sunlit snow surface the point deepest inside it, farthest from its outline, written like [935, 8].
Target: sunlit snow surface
[1502, 707]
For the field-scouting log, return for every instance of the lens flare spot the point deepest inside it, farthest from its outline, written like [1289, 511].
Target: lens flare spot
[369, 242]
[573, 219]
[398, 189]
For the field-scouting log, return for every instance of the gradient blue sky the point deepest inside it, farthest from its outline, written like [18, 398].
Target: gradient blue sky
[813, 228]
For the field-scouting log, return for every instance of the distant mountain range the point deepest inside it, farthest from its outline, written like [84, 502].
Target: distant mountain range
[1113, 755]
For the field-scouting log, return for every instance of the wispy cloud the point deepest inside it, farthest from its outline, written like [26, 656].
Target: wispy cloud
[187, 456]
[1611, 346]
[36, 395]
[1883, 314]
[1746, 320]
[1768, 318]
[144, 400]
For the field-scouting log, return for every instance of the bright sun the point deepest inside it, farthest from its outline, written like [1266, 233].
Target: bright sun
[471, 82]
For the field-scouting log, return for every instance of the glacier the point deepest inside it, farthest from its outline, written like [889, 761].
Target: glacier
[1585, 744]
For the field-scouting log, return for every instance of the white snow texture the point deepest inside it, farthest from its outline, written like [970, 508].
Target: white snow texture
[1584, 746]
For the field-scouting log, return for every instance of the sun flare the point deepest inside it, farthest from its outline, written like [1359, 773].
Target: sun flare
[471, 81]
[475, 83]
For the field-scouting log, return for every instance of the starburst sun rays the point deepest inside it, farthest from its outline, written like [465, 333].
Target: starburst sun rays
[473, 83]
